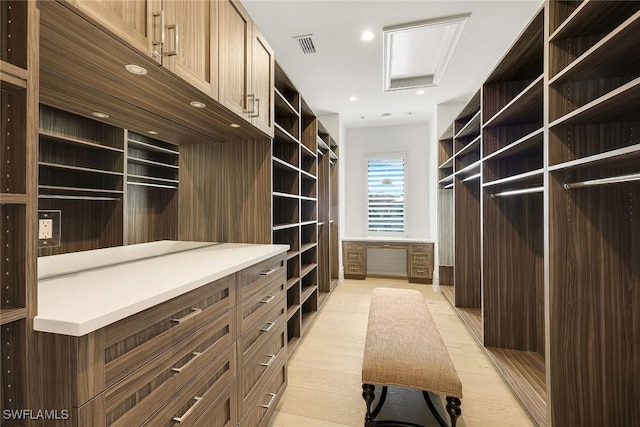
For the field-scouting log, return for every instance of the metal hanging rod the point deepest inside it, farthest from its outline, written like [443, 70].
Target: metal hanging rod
[516, 192]
[603, 181]
[469, 178]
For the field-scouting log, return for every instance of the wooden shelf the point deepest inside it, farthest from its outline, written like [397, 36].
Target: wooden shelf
[306, 151]
[625, 154]
[607, 58]
[307, 320]
[8, 315]
[283, 105]
[291, 282]
[525, 143]
[13, 199]
[150, 184]
[531, 177]
[524, 108]
[322, 144]
[71, 140]
[277, 227]
[306, 269]
[307, 174]
[151, 147]
[151, 163]
[471, 169]
[292, 344]
[153, 179]
[525, 374]
[8, 73]
[446, 179]
[472, 147]
[285, 195]
[308, 199]
[292, 310]
[307, 292]
[447, 134]
[472, 317]
[471, 128]
[311, 222]
[332, 155]
[282, 135]
[78, 189]
[79, 168]
[307, 246]
[281, 164]
[447, 163]
[617, 104]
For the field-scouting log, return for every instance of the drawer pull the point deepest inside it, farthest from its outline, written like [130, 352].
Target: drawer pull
[269, 326]
[268, 299]
[194, 313]
[189, 411]
[268, 405]
[178, 370]
[269, 272]
[272, 357]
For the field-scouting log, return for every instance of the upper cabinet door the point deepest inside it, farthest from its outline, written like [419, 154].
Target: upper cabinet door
[234, 62]
[262, 81]
[190, 47]
[136, 22]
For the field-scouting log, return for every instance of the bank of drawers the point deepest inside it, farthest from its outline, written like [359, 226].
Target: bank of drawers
[205, 358]
[420, 262]
[354, 260]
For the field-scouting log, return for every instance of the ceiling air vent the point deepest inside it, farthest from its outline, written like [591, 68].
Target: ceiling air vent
[306, 43]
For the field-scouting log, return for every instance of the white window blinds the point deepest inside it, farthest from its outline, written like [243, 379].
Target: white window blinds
[386, 194]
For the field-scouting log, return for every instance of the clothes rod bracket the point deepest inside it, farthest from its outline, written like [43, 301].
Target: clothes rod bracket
[602, 181]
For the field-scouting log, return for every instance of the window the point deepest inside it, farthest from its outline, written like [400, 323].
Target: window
[386, 191]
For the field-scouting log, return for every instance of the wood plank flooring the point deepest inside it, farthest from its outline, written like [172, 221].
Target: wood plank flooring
[325, 388]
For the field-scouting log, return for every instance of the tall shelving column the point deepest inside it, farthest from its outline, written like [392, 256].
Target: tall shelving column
[513, 218]
[18, 153]
[334, 224]
[593, 194]
[286, 193]
[446, 246]
[324, 259]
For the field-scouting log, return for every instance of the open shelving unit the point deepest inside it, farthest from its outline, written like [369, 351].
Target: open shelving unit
[302, 171]
[18, 203]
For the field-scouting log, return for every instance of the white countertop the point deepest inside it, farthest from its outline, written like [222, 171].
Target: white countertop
[81, 292]
[388, 239]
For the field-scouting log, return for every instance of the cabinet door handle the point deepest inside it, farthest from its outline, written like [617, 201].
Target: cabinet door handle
[268, 299]
[272, 357]
[194, 313]
[178, 370]
[158, 42]
[256, 111]
[269, 272]
[268, 405]
[173, 52]
[268, 327]
[184, 416]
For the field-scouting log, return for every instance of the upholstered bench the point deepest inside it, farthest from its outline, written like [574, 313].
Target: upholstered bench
[404, 348]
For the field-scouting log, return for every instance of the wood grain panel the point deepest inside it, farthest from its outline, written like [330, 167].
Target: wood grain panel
[14, 256]
[13, 353]
[445, 229]
[152, 214]
[13, 33]
[13, 138]
[512, 272]
[467, 239]
[594, 281]
[495, 138]
[262, 83]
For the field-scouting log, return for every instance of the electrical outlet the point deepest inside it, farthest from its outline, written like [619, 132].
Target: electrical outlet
[45, 229]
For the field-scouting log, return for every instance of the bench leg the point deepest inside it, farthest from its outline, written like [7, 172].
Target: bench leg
[369, 394]
[453, 409]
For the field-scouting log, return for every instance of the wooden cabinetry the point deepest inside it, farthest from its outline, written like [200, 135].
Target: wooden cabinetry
[262, 83]
[559, 176]
[19, 68]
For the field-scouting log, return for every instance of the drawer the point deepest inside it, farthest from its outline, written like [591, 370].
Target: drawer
[222, 412]
[355, 256]
[354, 268]
[189, 403]
[258, 366]
[419, 258]
[256, 306]
[270, 325]
[132, 342]
[257, 414]
[420, 271]
[132, 401]
[421, 248]
[254, 278]
[353, 246]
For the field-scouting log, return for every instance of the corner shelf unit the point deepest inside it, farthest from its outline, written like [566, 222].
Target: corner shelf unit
[554, 207]
[18, 204]
[300, 197]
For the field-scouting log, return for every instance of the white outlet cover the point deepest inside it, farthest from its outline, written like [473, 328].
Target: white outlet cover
[45, 228]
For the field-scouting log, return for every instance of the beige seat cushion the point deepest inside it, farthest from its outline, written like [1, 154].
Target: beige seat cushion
[404, 347]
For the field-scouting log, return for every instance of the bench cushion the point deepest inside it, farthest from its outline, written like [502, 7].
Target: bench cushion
[403, 345]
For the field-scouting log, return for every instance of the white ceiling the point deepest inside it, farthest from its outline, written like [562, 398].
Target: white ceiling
[346, 66]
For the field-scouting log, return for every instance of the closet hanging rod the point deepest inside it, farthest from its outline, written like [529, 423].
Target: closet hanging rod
[516, 192]
[472, 177]
[603, 181]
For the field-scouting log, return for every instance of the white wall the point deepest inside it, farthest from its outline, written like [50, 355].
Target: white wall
[416, 141]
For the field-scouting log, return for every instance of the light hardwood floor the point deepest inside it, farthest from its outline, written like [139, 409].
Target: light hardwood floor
[325, 388]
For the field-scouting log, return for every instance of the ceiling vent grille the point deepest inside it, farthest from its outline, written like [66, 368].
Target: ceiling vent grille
[306, 44]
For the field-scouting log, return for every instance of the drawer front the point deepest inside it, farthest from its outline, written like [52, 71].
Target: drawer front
[254, 278]
[189, 403]
[420, 258]
[421, 248]
[256, 306]
[258, 366]
[132, 342]
[353, 246]
[355, 256]
[420, 271]
[270, 325]
[140, 395]
[354, 268]
[222, 412]
[257, 414]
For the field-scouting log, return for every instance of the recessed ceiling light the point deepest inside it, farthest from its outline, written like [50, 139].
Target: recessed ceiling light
[100, 115]
[234, 125]
[136, 69]
[353, 98]
[197, 104]
[152, 132]
[420, 92]
[367, 36]
[362, 117]
[386, 116]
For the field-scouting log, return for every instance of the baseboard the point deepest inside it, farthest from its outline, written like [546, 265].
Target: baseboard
[436, 280]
